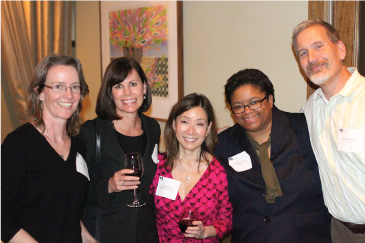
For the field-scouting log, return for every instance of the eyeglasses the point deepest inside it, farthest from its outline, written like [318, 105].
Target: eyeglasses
[61, 88]
[253, 105]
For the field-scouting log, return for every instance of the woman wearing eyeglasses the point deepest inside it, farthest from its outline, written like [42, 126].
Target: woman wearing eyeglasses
[273, 178]
[44, 178]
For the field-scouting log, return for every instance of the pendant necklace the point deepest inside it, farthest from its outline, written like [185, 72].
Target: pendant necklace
[52, 139]
[187, 177]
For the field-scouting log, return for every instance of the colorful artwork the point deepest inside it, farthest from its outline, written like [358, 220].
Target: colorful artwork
[141, 33]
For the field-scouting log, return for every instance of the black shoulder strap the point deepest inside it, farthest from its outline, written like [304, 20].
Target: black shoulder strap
[98, 151]
[98, 167]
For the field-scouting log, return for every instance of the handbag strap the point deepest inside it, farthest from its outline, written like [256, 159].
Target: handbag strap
[98, 151]
[98, 167]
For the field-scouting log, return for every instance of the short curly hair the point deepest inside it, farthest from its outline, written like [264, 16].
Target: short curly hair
[248, 76]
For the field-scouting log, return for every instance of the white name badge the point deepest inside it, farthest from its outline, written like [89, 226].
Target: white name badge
[167, 188]
[81, 166]
[351, 140]
[155, 154]
[240, 162]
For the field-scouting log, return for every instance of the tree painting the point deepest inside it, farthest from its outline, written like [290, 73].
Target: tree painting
[142, 33]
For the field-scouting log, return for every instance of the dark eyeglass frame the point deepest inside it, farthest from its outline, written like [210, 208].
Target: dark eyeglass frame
[52, 88]
[249, 105]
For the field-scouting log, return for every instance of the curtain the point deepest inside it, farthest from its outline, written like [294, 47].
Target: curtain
[30, 30]
[16, 55]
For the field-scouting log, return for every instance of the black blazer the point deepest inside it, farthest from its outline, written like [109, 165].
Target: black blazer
[119, 222]
[300, 214]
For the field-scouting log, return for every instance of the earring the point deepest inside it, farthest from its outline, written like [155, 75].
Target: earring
[144, 96]
[41, 104]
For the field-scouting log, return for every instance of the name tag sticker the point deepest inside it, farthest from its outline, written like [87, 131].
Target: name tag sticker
[155, 154]
[167, 188]
[240, 162]
[351, 140]
[81, 166]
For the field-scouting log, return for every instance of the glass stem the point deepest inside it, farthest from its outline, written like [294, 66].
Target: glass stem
[135, 196]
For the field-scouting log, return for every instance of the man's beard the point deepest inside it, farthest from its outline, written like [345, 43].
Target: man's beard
[320, 76]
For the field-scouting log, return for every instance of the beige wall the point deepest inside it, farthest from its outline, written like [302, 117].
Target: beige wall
[220, 38]
[88, 51]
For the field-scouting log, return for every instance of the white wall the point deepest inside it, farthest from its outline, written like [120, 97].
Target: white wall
[220, 38]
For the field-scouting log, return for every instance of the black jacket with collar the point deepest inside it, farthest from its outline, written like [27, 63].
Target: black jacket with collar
[300, 214]
[112, 155]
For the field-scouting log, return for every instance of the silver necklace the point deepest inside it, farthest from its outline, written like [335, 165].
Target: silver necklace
[53, 141]
[187, 177]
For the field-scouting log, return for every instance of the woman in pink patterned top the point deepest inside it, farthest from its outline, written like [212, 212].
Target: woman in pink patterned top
[190, 137]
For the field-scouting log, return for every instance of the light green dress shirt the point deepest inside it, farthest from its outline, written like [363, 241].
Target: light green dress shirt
[337, 133]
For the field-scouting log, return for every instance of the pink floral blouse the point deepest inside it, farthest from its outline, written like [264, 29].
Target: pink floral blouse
[209, 198]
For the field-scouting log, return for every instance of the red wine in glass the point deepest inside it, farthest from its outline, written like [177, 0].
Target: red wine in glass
[134, 162]
[186, 219]
[136, 172]
[184, 224]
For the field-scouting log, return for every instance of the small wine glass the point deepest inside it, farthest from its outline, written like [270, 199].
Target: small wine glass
[134, 162]
[186, 219]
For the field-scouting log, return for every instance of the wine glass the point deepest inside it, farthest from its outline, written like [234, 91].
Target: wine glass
[134, 162]
[186, 219]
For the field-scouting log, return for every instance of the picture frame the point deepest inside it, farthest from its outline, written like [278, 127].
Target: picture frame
[161, 56]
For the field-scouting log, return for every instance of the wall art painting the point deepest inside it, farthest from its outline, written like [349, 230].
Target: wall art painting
[150, 32]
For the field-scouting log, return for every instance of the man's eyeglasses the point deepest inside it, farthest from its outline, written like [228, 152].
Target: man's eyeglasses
[253, 105]
[61, 88]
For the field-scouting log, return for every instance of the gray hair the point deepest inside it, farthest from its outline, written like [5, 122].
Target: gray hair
[332, 33]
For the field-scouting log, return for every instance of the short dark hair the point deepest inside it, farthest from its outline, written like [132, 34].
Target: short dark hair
[248, 76]
[117, 71]
[332, 33]
[37, 85]
[188, 102]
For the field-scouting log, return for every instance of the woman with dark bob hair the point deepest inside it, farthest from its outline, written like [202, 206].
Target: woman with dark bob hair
[190, 136]
[123, 96]
[273, 178]
[44, 175]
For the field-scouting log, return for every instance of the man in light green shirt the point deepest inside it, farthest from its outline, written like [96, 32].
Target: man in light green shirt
[335, 115]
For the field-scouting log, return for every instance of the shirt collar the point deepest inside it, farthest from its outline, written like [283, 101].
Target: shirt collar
[347, 90]
[351, 83]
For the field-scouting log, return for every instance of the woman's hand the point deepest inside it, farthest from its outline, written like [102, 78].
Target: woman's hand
[199, 231]
[121, 181]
